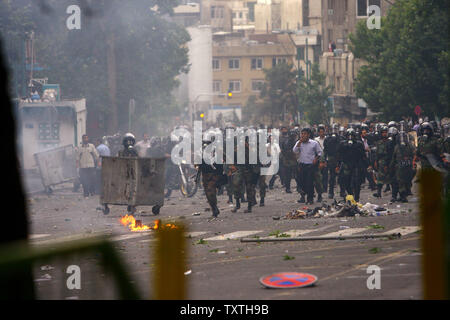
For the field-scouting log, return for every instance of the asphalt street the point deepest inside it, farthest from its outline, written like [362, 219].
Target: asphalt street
[219, 265]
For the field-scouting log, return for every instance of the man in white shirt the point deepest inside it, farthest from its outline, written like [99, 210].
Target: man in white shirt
[87, 158]
[321, 175]
[308, 152]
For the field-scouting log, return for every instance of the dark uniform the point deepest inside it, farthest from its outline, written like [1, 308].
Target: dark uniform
[383, 157]
[212, 179]
[351, 158]
[288, 160]
[402, 165]
[330, 147]
[129, 151]
[243, 175]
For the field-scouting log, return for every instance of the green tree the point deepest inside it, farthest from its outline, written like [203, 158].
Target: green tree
[124, 50]
[279, 91]
[313, 97]
[408, 60]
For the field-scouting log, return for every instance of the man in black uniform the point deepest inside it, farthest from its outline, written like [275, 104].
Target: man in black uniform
[351, 158]
[330, 146]
[212, 179]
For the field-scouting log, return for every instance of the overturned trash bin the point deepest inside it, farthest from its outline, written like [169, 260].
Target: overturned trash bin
[56, 166]
[133, 182]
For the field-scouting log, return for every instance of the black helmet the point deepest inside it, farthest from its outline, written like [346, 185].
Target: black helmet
[384, 129]
[426, 125]
[350, 133]
[128, 140]
[364, 127]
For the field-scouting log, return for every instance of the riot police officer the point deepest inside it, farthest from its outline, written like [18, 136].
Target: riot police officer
[351, 158]
[330, 146]
[288, 159]
[384, 149]
[128, 143]
[428, 150]
[402, 160]
[212, 179]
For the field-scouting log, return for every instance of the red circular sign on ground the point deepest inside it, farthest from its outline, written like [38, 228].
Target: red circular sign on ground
[286, 280]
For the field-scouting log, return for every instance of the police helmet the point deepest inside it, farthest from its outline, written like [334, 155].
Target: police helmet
[128, 140]
[392, 124]
[384, 129]
[425, 126]
[350, 133]
[392, 131]
[364, 127]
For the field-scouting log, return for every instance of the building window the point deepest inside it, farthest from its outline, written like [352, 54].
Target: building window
[233, 64]
[257, 63]
[362, 5]
[345, 5]
[234, 86]
[240, 15]
[276, 61]
[216, 64]
[48, 131]
[216, 12]
[257, 85]
[217, 86]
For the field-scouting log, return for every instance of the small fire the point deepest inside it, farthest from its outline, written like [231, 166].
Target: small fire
[136, 225]
[133, 224]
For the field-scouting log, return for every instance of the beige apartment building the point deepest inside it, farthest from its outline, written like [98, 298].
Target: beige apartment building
[238, 65]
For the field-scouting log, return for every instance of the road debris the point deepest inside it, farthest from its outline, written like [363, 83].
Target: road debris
[348, 208]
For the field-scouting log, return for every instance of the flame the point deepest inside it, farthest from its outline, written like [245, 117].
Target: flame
[136, 225]
[133, 224]
[159, 226]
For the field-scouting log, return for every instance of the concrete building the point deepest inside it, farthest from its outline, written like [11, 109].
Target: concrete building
[217, 14]
[275, 15]
[339, 19]
[238, 64]
[194, 91]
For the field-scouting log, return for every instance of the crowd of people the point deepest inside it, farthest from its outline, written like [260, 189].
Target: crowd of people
[321, 159]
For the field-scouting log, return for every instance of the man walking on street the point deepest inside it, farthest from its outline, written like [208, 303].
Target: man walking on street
[87, 158]
[308, 152]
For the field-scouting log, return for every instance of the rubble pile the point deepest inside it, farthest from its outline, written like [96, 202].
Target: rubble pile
[347, 208]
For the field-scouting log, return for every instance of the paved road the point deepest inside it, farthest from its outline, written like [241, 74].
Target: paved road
[221, 266]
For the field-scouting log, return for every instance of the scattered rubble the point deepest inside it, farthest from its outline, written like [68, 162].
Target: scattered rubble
[347, 208]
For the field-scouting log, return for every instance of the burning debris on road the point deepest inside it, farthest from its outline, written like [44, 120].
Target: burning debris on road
[137, 225]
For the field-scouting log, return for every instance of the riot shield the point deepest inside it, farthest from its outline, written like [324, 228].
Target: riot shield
[435, 163]
[57, 165]
[133, 181]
